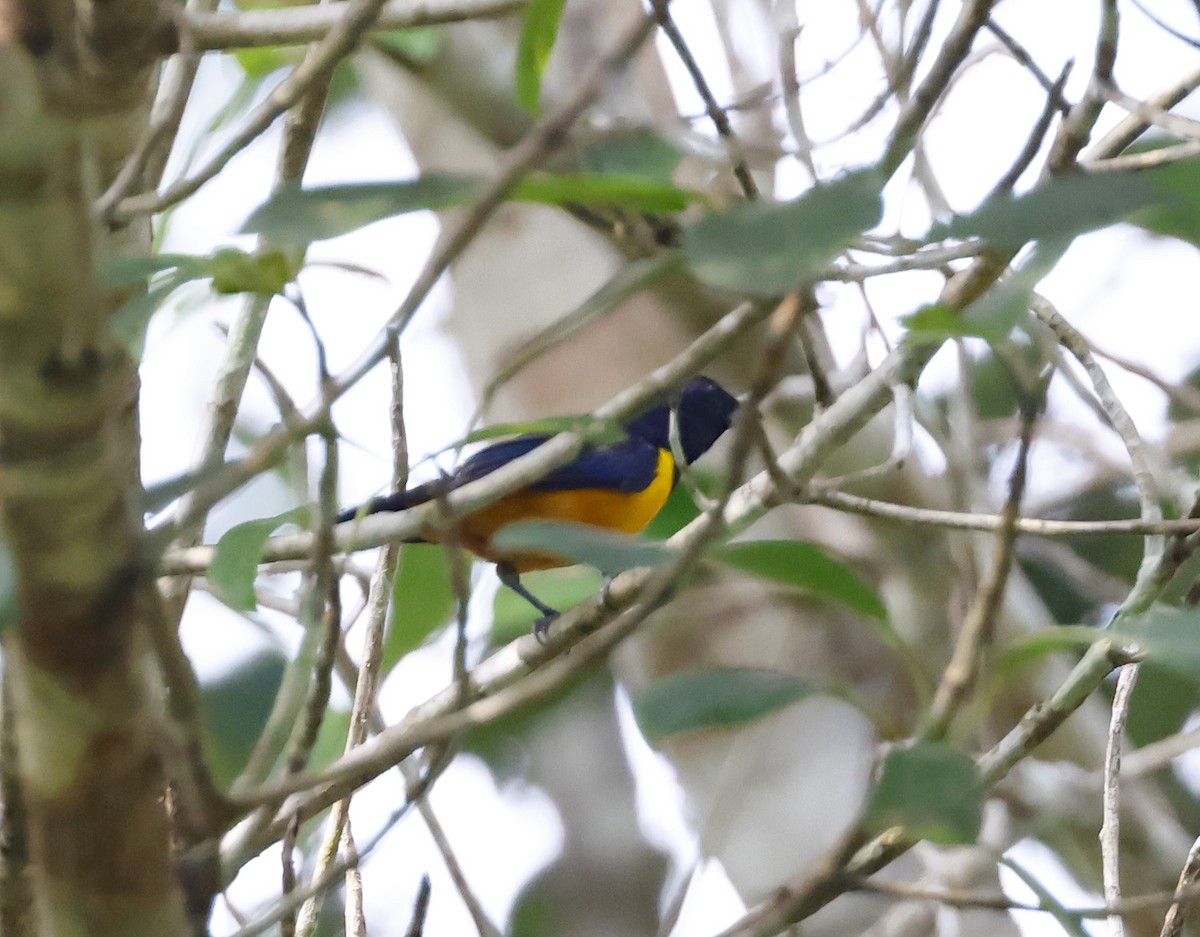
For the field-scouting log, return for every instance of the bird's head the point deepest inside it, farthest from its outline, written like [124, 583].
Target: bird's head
[705, 411]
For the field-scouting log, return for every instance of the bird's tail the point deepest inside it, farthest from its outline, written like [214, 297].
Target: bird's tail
[396, 501]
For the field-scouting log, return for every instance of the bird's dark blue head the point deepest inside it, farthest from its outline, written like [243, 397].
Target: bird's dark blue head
[705, 411]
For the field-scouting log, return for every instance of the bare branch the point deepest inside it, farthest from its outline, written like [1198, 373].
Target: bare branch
[251, 29]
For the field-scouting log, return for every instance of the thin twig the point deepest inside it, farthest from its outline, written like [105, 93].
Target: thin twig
[1076, 129]
[1053, 89]
[1157, 755]
[972, 18]
[1128, 130]
[714, 110]
[1143, 474]
[1110, 828]
[1036, 136]
[1178, 126]
[1189, 876]
[956, 898]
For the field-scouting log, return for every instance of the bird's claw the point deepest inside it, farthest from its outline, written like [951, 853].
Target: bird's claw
[541, 627]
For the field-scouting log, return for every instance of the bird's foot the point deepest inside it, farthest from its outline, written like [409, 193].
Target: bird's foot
[606, 598]
[541, 627]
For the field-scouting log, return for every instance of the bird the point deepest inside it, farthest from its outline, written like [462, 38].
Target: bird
[620, 486]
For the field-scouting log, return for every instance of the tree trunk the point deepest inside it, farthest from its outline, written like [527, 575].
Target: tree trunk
[75, 85]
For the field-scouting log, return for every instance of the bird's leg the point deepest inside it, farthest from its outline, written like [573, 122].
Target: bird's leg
[606, 598]
[510, 577]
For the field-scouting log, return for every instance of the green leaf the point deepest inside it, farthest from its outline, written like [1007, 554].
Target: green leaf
[261, 62]
[994, 315]
[1167, 636]
[1072, 923]
[991, 379]
[236, 707]
[679, 511]
[297, 215]
[1176, 212]
[634, 192]
[129, 324]
[236, 271]
[422, 600]
[331, 739]
[157, 496]
[127, 271]
[1165, 200]
[539, 30]
[723, 696]
[767, 249]
[806, 566]
[558, 588]
[1033, 648]
[235, 561]
[606, 550]
[418, 43]
[640, 152]
[931, 790]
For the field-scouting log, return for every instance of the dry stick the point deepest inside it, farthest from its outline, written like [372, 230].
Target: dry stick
[365, 688]
[1133, 126]
[1077, 128]
[1157, 755]
[1185, 395]
[1149, 159]
[1110, 827]
[416, 924]
[1053, 89]
[1034, 141]
[287, 922]
[1189, 876]
[355, 917]
[1183, 127]
[957, 898]
[714, 110]
[251, 29]
[1165, 26]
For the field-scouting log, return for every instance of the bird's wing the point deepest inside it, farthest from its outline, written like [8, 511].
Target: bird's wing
[627, 466]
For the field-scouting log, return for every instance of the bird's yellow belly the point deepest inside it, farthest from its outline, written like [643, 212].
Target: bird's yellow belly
[598, 507]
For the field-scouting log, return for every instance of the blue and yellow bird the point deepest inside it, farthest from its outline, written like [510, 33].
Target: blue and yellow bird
[618, 487]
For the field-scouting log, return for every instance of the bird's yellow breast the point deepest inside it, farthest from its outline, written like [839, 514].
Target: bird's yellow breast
[627, 512]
